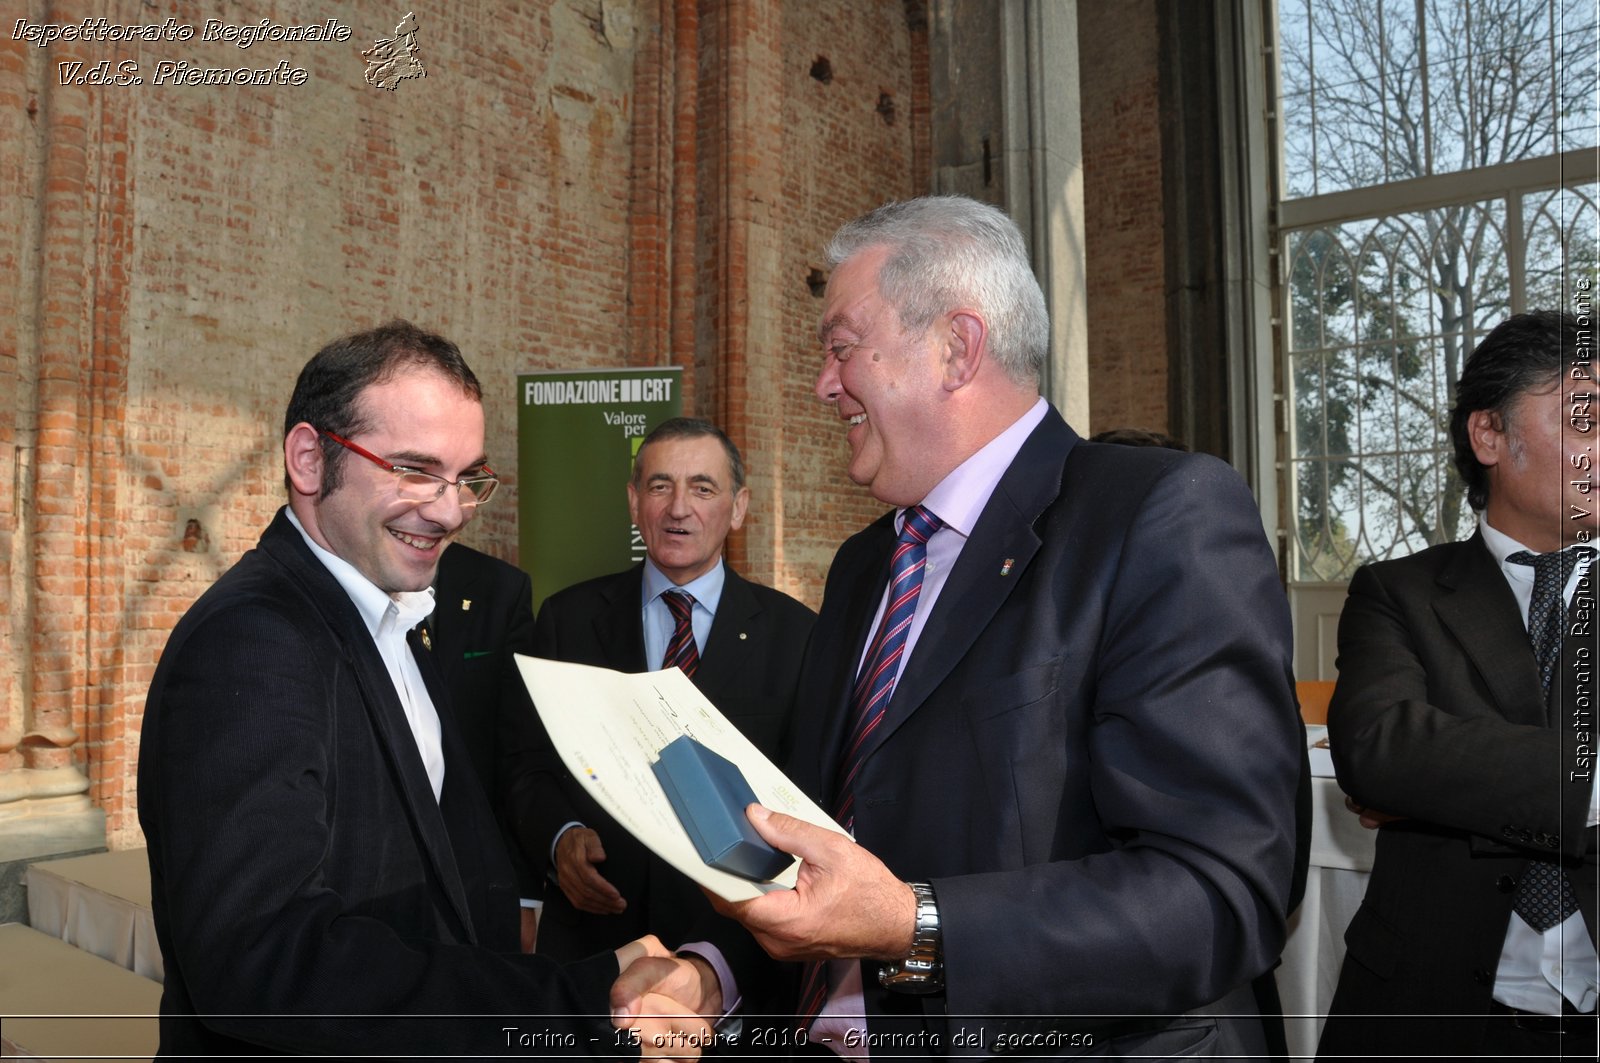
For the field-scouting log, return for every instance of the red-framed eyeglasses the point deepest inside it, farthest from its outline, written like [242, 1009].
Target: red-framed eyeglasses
[418, 486]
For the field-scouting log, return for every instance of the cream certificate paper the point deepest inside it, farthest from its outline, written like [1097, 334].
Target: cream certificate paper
[609, 728]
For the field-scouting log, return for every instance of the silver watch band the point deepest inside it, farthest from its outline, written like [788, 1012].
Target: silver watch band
[922, 969]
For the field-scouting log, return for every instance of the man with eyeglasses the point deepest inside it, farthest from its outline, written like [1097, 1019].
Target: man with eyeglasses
[326, 874]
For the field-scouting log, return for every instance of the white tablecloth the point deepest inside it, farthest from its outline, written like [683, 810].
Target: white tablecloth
[61, 1003]
[1341, 857]
[101, 904]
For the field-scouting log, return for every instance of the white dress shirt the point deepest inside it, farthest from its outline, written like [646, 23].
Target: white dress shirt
[388, 618]
[1536, 970]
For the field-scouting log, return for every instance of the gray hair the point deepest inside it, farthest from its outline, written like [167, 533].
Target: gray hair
[951, 251]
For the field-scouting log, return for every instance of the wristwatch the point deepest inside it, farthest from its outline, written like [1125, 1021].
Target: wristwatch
[922, 970]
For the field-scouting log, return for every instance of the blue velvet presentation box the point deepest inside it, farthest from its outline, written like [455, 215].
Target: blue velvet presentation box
[709, 793]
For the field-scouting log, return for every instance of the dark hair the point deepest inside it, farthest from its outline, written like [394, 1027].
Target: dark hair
[1521, 355]
[1138, 437]
[327, 394]
[692, 428]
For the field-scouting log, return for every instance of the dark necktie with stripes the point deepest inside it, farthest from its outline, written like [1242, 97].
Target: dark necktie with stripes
[870, 696]
[681, 649]
[1544, 896]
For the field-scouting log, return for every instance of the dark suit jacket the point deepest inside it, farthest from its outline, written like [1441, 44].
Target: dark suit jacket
[1092, 753]
[749, 669]
[299, 864]
[1438, 716]
[483, 614]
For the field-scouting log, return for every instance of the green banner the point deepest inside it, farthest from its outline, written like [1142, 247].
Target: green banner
[576, 436]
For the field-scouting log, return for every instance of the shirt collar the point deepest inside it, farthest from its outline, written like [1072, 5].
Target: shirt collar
[959, 498]
[706, 588]
[1502, 546]
[410, 607]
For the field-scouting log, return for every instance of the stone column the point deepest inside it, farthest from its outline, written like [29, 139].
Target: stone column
[1005, 90]
[62, 430]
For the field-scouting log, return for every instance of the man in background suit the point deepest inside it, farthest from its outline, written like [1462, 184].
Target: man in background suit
[1477, 772]
[326, 875]
[742, 647]
[483, 615]
[1049, 692]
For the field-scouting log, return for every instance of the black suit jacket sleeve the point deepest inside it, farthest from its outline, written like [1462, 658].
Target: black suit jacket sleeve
[1191, 746]
[1437, 715]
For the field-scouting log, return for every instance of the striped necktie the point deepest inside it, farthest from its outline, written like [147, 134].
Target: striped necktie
[681, 649]
[875, 684]
[870, 696]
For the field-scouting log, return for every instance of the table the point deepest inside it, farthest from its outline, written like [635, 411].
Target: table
[101, 904]
[1341, 857]
[51, 985]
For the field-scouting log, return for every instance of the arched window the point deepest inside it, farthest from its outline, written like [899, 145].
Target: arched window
[1436, 173]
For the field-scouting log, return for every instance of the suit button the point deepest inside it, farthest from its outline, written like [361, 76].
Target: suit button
[1508, 833]
[1505, 883]
[1482, 977]
[1526, 835]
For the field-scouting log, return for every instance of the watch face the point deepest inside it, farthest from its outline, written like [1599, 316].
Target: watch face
[910, 977]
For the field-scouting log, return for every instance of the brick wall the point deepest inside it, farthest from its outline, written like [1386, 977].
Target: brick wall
[573, 184]
[180, 251]
[183, 249]
[820, 152]
[1122, 205]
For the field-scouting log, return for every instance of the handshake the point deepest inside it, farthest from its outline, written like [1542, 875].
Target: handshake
[845, 904]
[667, 1002]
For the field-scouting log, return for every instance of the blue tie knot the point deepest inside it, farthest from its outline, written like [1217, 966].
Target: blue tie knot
[920, 524]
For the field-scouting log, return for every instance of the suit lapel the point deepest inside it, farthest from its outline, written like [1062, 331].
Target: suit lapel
[993, 563]
[617, 624]
[450, 640]
[457, 773]
[379, 698]
[1477, 607]
[867, 566]
[735, 611]
[400, 746]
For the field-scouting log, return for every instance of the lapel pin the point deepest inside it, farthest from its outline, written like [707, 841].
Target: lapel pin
[427, 642]
[1005, 566]
[466, 603]
[742, 636]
